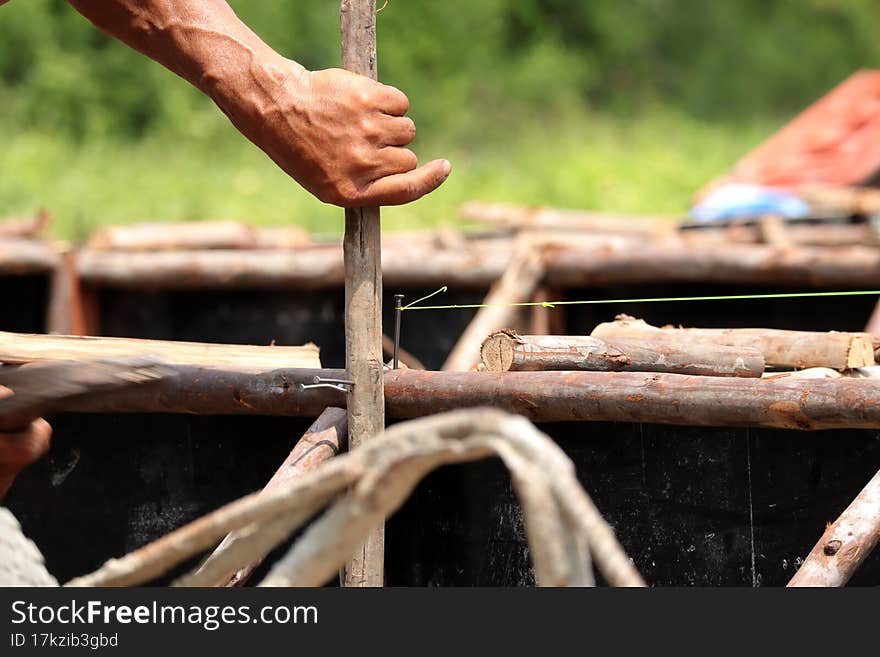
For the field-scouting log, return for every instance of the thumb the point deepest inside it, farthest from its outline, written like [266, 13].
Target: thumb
[403, 188]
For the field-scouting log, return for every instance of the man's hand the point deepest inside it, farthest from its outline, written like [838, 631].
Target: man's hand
[341, 136]
[19, 450]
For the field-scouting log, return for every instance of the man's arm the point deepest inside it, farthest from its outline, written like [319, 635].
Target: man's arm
[341, 136]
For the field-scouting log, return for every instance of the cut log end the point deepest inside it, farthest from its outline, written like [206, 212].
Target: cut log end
[498, 349]
[861, 353]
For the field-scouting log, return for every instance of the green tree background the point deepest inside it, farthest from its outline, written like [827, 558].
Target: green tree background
[624, 104]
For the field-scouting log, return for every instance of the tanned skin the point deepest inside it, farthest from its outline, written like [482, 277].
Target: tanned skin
[341, 136]
[19, 450]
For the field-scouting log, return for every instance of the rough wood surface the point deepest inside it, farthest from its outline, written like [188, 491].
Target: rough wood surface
[362, 247]
[846, 543]
[519, 217]
[66, 312]
[308, 268]
[27, 227]
[20, 256]
[505, 351]
[20, 348]
[601, 261]
[227, 565]
[786, 349]
[517, 285]
[566, 533]
[795, 234]
[161, 236]
[785, 402]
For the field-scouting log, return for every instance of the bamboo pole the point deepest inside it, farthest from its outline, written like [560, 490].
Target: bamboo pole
[362, 246]
[846, 543]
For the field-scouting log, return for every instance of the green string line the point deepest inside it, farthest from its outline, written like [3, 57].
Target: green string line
[553, 304]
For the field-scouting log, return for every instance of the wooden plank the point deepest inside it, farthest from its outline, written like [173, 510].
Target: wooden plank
[20, 348]
[362, 248]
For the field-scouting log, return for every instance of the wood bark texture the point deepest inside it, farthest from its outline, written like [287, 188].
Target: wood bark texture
[785, 349]
[846, 543]
[362, 247]
[21, 348]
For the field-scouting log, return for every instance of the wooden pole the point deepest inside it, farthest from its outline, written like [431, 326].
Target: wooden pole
[517, 285]
[781, 348]
[362, 247]
[324, 440]
[783, 402]
[506, 351]
[846, 543]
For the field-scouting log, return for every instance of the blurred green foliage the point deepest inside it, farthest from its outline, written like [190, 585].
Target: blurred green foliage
[623, 103]
[464, 61]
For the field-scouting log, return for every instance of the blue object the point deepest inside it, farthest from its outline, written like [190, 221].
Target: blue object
[743, 201]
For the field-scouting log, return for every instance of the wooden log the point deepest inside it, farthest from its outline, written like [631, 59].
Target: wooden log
[787, 403]
[846, 543]
[519, 217]
[66, 313]
[786, 349]
[20, 348]
[284, 237]
[29, 227]
[324, 440]
[863, 201]
[600, 262]
[795, 234]
[19, 257]
[159, 236]
[505, 351]
[517, 285]
[307, 269]
[362, 247]
[844, 268]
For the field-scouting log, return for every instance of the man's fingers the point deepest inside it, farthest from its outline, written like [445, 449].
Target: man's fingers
[18, 450]
[407, 187]
[397, 131]
[395, 160]
[393, 101]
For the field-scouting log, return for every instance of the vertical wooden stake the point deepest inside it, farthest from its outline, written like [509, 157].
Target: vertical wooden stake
[363, 299]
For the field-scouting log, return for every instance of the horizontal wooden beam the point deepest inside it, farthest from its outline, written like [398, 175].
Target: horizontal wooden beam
[569, 263]
[787, 402]
[21, 348]
[20, 256]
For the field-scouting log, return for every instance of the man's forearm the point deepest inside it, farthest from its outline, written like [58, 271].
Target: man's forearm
[203, 41]
[341, 136]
